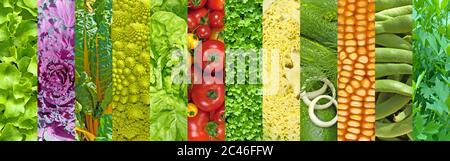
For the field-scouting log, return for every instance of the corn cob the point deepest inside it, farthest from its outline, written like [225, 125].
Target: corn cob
[356, 68]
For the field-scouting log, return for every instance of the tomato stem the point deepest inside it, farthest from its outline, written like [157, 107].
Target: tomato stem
[211, 128]
[212, 94]
[212, 57]
[196, 2]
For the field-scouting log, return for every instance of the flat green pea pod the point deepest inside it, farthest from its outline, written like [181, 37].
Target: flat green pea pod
[397, 11]
[383, 70]
[390, 106]
[392, 41]
[380, 17]
[392, 55]
[403, 114]
[392, 86]
[400, 24]
[386, 4]
[396, 129]
[408, 38]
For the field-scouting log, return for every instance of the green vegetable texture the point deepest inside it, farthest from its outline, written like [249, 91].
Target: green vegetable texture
[243, 102]
[387, 4]
[319, 21]
[93, 62]
[168, 86]
[431, 73]
[131, 69]
[318, 60]
[394, 70]
[18, 70]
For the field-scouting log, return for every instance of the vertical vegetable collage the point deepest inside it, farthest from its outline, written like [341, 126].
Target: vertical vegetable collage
[224, 70]
[206, 106]
[93, 74]
[56, 70]
[431, 85]
[18, 70]
[356, 70]
[318, 70]
[393, 28]
[281, 70]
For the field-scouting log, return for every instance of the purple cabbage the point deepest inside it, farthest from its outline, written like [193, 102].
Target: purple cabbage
[56, 89]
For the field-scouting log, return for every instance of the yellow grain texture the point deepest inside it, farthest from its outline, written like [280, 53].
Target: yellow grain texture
[356, 68]
[281, 34]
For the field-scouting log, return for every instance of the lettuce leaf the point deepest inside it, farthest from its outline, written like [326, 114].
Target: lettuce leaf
[18, 70]
[168, 100]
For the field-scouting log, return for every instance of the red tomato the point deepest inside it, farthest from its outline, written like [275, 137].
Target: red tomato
[215, 19]
[197, 125]
[218, 133]
[211, 56]
[200, 14]
[203, 31]
[196, 75]
[216, 4]
[196, 4]
[208, 97]
[218, 115]
[192, 22]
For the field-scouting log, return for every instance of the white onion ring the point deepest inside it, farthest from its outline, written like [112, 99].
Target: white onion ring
[306, 99]
[313, 116]
[314, 94]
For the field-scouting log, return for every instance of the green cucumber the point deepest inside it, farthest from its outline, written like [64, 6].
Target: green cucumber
[310, 132]
[319, 21]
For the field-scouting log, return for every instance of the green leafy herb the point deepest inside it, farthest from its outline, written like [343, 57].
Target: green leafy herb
[431, 71]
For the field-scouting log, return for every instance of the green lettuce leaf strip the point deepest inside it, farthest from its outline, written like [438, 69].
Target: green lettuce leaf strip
[130, 32]
[243, 102]
[93, 61]
[431, 71]
[168, 88]
[18, 71]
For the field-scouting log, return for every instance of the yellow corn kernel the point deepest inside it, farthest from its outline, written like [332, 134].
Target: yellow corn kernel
[356, 73]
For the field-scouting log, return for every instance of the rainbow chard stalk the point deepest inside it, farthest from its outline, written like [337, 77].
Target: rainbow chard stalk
[93, 70]
[56, 93]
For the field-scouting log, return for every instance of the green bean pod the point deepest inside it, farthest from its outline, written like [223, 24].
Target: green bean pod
[380, 17]
[386, 4]
[392, 41]
[397, 11]
[392, 55]
[400, 24]
[390, 106]
[403, 114]
[392, 86]
[408, 38]
[392, 69]
[390, 130]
